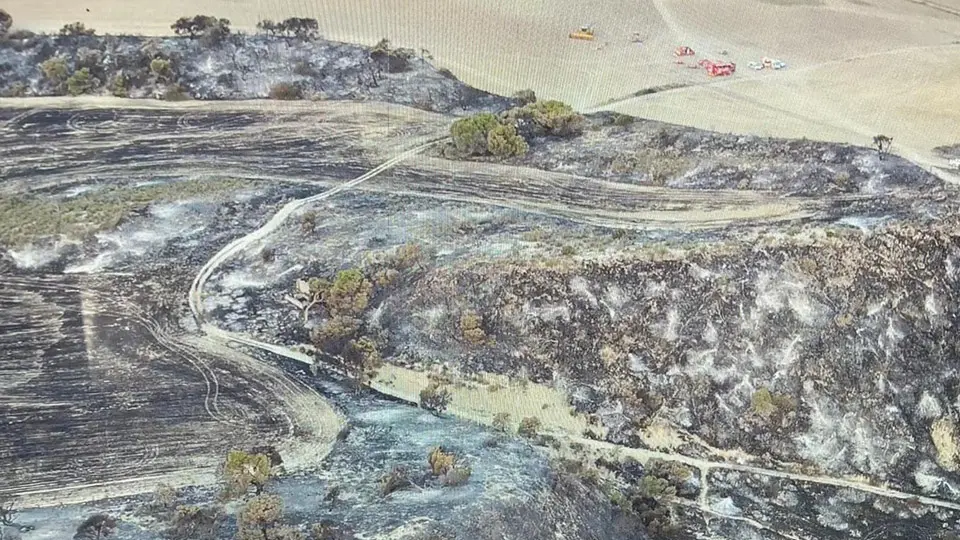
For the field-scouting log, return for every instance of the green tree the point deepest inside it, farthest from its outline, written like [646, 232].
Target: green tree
[162, 69]
[82, 82]
[556, 117]
[242, 470]
[55, 71]
[349, 294]
[503, 141]
[470, 134]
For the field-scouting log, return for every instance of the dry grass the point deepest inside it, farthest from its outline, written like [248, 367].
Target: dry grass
[945, 440]
[26, 219]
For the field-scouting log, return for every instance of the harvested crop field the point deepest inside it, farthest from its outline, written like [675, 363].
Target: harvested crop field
[855, 69]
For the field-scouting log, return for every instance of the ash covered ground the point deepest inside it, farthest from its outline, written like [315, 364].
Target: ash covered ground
[760, 344]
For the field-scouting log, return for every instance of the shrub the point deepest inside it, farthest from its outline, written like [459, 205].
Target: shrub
[503, 141]
[285, 91]
[395, 60]
[440, 462]
[470, 134]
[529, 427]
[161, 69]
[17, 89]
[622, 119]
[333, 330]
[568, 251]
[349, 294]
[470, 328]
[211, 29]
[435, 398]
[119, 85]
[501, 422]
[554, 117]
[241, 471]
[768, 405]
[175, 93]
[55, 70]
[81, 82]
[457, 476]
[262, 512]
[361, 359]
[6, 21]
[393, 481]
[525, 97]
[76, 29]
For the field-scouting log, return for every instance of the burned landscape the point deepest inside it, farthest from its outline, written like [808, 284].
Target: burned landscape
[405, 308]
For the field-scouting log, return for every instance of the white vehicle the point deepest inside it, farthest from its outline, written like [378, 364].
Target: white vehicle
[756, 66]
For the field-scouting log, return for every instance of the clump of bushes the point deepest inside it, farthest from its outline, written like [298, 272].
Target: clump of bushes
[82, 82]
[525, 97]
[770, 406]
[285, 91]
[470, 327]
[551, 117]
[435, 398]
[483, 134]
[76, 29]
[501, 422]
[470, 134]
[55, 71]
[529, 427]
[503, 141]
[444, 466]
[162, 69]
[486, 134]
[175, 93]
[395, 480]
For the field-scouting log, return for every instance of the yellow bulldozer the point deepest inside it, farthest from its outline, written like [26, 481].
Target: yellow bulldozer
[585, 32]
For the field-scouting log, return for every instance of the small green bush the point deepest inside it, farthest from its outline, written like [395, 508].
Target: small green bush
[55, 70]
[555, 117]
[82, 82]
[568, 251]
[120, 85]
[470, 134]
[503, 141]
[161, 69]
